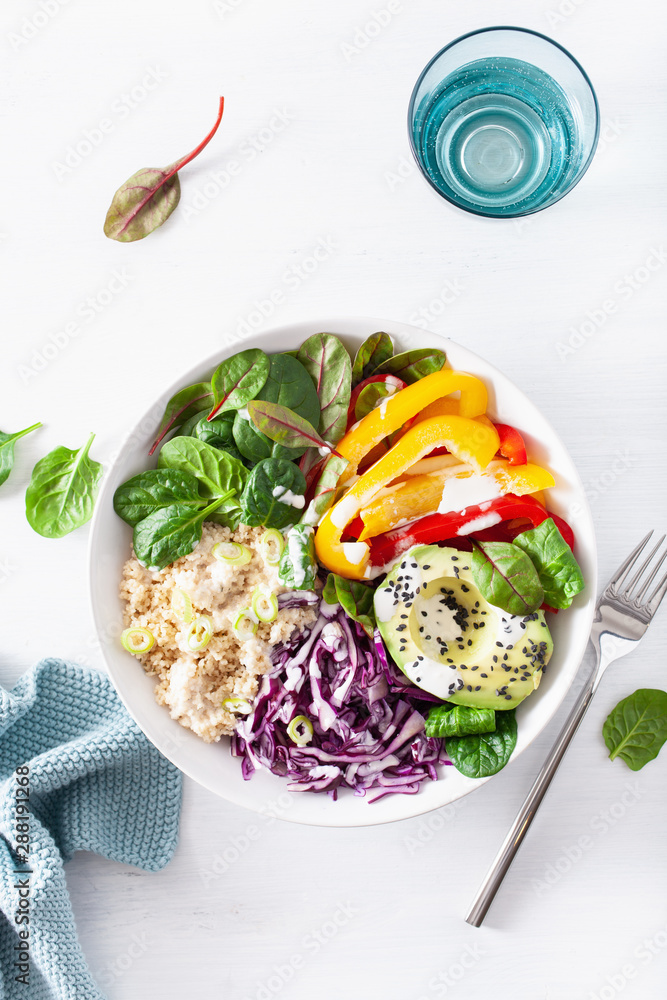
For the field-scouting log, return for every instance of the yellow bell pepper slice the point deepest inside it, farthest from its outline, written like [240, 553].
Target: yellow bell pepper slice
[422, 495]
[467, 439]
[390, 416]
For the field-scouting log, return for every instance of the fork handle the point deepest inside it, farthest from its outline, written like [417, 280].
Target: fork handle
[519, 829]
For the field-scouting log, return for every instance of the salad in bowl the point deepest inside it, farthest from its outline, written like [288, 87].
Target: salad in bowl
[345, 572]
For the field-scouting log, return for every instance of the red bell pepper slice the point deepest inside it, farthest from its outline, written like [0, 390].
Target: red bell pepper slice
[512, 446]
[440, 527]
[356, 392]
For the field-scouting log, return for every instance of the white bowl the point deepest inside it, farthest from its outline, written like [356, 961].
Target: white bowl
[212, 764]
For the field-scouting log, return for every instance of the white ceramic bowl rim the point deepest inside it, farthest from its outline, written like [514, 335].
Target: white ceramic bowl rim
[211, 764]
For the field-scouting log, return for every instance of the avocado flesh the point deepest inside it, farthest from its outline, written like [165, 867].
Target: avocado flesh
[448, 640]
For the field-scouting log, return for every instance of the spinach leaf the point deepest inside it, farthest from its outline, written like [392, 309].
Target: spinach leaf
[325, 490]
[284, 426]
[62, 491]
[290, 385]
[459, 720]
[167, 534]
[506, 577]
[298, 567]
[216, 432]
[558, 570]
[270, 480]
[215, 470]
[355, 598]
[486, 753]
[7, 442]
[328, 364]
[413, 365]
[370, 397]
[181, 407]
[147, 199]
[188, 428]
[156, 488]
[374, 351]
[239, 379]
[637, 728]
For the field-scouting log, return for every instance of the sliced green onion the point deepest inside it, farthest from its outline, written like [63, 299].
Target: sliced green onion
[137, 640]
[199, 634]
[271, 546]
[232, 553]
[182, 606]
[244, 624]
[264, 604]
[300, 730]
[238, 705]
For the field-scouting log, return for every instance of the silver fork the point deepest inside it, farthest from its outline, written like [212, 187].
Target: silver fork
[622, 615]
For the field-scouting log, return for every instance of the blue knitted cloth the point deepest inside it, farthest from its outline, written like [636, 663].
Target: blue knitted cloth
[95, 783]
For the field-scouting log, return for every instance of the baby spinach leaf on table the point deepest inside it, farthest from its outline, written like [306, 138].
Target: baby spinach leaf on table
[506, 577]
[62, 491]
[156, 488]
[267, 483]
[298, 567]
[486, 753]
[355, 598]
[558, 570]
[166, 535]
[637, 728]
[328, 364]
[215, 470]
[413, 365]
[181, 407]
[374, 351]
[7, 442]
[284, 426]
[239, 379]
[145, 201]
[459, 720]
[325, 490]
[372, 396]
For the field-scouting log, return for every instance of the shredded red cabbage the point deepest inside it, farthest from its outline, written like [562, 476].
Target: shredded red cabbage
[368, 730]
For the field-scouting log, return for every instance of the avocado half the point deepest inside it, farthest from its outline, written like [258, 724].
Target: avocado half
[448, 640]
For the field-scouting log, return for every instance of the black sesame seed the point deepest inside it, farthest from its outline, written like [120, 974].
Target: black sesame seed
[499, 644]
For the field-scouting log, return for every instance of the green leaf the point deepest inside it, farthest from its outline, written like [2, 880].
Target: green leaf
[355, 598]
[506, 577]
[239, 379]
[637, 728]
[298, 567]
[181, 408]
[558, 570]
[487, 753]
[62, 491]
[215, 471]
[370, 397]
[145, 201]
[270, 480]
[149, 491]
[7, 442]
[325, 490]
[166, 535]
[459, 720]
[284, 426]
[413, 365]
[328, 364]
[374, 351]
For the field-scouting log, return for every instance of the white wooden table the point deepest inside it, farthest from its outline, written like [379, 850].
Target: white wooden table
[313, 151]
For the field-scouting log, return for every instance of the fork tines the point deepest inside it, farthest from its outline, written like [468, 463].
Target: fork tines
[619, 588]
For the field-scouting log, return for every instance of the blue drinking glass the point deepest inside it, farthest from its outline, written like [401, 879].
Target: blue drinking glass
[503, 122]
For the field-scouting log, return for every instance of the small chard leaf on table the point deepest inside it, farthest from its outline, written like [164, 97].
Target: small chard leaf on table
[7, 442]
[413, 365]
[637, 728]
[181, 408]
[374, 352]
[506, 577]
[486, 753]
[62, 491]
[284, 426]
[239, 379]
[328, 364]
[145, 201]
